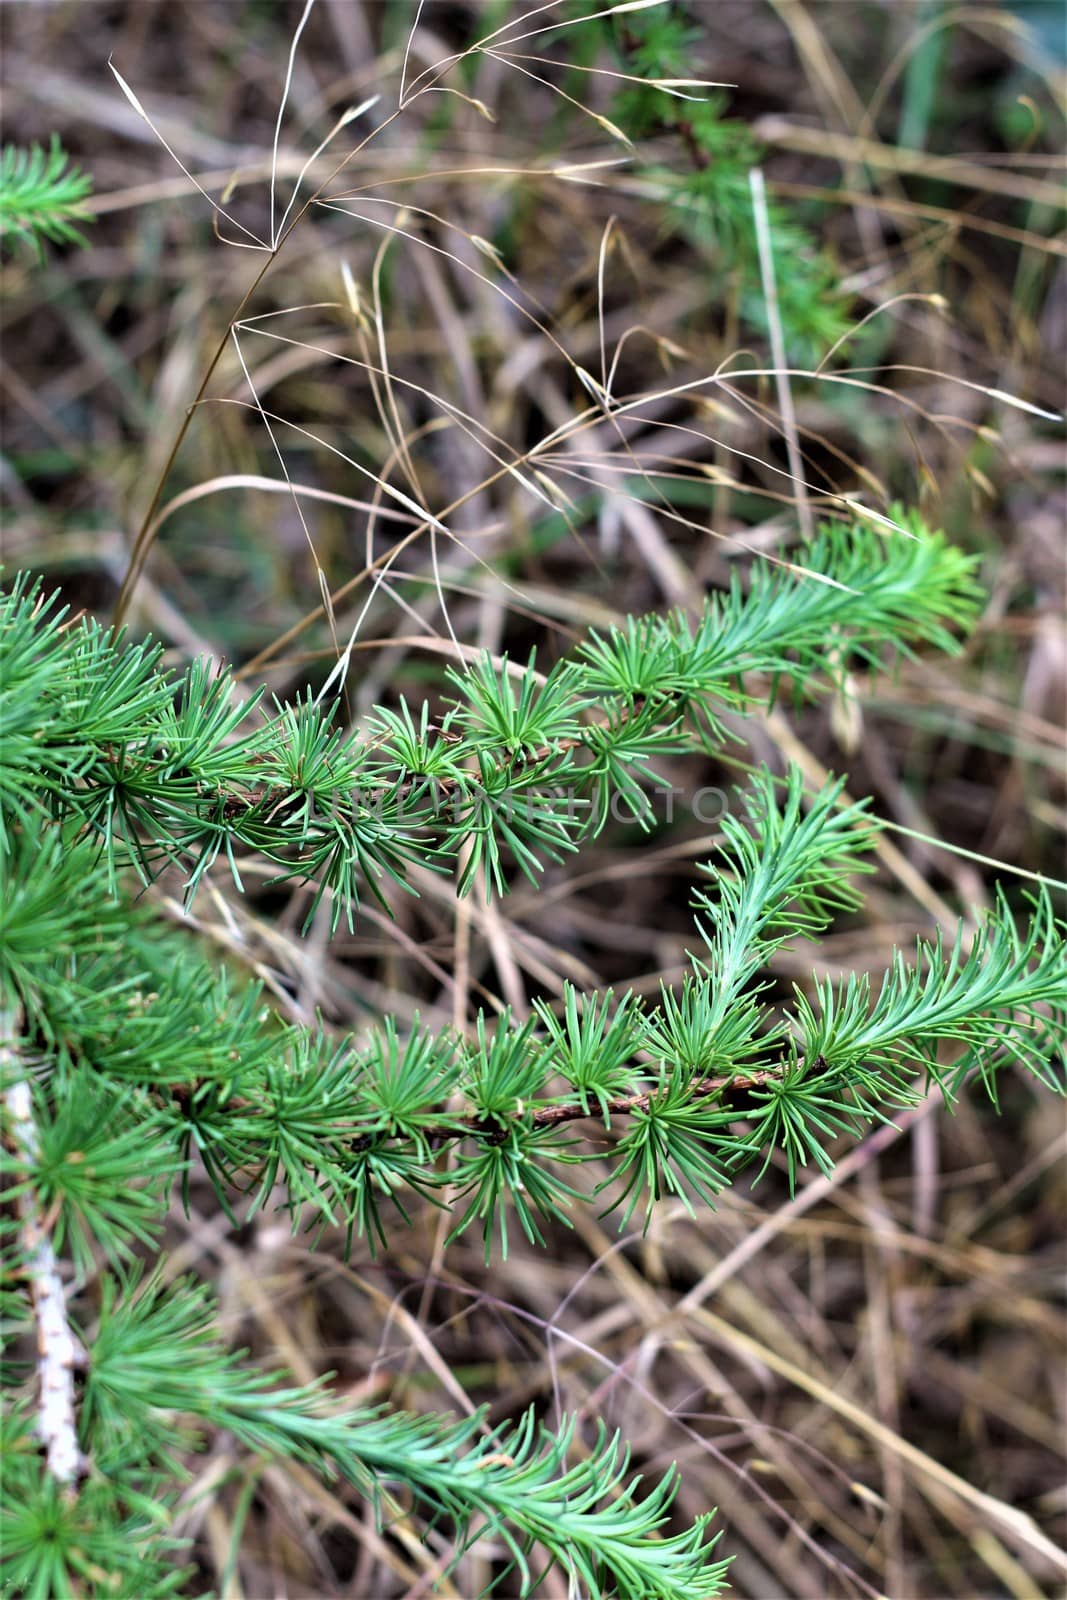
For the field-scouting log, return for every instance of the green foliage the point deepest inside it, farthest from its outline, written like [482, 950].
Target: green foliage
[41, 198]
[143, 1056]
[149, 762]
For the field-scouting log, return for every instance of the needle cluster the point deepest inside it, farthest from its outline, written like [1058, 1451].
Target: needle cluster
[138, 1061]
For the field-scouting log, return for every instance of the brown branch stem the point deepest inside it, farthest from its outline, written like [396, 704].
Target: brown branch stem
[548, 1116]
[628, 1105]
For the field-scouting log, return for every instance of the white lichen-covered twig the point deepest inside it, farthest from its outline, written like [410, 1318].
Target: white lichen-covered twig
[58, 1352]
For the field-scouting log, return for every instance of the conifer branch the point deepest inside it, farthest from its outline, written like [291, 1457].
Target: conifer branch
[41, 198]
[175, 773]
[149, 1058]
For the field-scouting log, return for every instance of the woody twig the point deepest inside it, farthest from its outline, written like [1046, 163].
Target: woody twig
[58, 1352]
